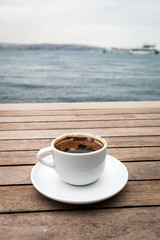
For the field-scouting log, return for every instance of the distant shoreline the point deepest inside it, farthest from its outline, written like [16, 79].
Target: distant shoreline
[77, 76]
[47, 46]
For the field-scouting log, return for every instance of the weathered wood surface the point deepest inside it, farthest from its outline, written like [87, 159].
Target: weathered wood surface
[132, 130]
[63, 112]
[25, 198]
[81, 105]
[104, 132]
[77, 124]
[119, 223]
[12, 175]
[78, 117]
[113, 142]
[123, 154]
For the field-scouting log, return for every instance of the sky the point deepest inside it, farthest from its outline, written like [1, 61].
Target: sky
[104, 23]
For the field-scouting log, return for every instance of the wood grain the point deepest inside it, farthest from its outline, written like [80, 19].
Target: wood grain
[114, 142]
[132, 131]
[78, 117]
[123, 154]
[67, 112]
[137, 171]
[80, 124]
[27, 198]
[103, 132]
[18, 157]
[80, 105]
[115, 224]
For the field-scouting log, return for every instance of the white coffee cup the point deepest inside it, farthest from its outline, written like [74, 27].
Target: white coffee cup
[75, 168]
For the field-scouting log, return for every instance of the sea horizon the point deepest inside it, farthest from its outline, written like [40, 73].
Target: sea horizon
[80, 74]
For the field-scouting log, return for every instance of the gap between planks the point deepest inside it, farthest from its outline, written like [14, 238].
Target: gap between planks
[135, 193]
[123, 154]
[79, 117]
[13, 175]
[113, 142]
[130, 223]
[76, 124]
[62, 112]
[103, 132]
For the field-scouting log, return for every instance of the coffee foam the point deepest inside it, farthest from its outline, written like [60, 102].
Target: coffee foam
[77, 142]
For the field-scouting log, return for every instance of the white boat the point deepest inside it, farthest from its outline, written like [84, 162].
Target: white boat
[146, 49]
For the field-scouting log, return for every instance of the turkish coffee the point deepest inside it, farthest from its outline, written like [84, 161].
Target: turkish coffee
[78, 145]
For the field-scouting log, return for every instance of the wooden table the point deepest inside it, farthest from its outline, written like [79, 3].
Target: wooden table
[132, 130]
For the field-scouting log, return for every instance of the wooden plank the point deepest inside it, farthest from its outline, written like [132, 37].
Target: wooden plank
[81, 124]
[143, 170]
[119, 224]
[18, 157]
[123, 154]
[135, 154]
[27, 144]
[79, 105]
[15, 175]
[35, 144]
[78, 117]
[137, 171]
[78, 111]
[135, 141]
[27, 198]
[104, 132]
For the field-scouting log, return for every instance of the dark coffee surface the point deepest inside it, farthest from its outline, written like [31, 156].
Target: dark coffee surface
[78, 145]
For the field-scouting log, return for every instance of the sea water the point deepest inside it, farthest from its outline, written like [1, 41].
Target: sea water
[77, 76]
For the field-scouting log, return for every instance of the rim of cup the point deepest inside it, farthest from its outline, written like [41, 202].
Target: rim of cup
[103, 141]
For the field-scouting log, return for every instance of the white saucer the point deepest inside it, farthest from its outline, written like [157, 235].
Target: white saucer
[112, 181]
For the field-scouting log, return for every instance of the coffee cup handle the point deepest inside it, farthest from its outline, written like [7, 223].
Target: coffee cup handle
[46, 161]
